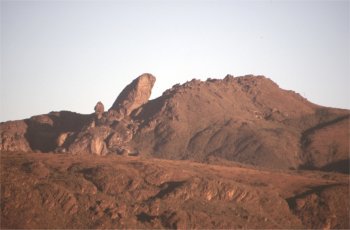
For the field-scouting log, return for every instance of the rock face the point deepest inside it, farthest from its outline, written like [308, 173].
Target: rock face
[90, 140]
[134, 95]
[13, 136]
[42, 133]
[112, 132]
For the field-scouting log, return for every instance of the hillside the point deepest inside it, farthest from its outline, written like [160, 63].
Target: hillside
[247, 120]
[238, 152]
[71, 191]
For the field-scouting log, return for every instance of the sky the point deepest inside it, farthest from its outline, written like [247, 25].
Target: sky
[68, 55]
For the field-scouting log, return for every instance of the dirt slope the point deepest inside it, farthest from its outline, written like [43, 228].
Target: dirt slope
[326, 146]
[67, 191]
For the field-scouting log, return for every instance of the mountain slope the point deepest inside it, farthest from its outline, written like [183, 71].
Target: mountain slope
[247, 120]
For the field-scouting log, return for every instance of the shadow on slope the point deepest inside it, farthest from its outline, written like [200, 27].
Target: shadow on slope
[43, 130]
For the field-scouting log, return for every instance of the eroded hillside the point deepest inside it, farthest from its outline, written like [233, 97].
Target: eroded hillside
[70, 191]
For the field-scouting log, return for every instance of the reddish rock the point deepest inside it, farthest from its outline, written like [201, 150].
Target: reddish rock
[13, 136]
[135, 94]
[99, 110]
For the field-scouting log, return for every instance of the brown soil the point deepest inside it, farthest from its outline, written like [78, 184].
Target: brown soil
[65, 191]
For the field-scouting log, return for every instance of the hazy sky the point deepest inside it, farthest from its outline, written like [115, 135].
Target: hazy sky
[67, 55]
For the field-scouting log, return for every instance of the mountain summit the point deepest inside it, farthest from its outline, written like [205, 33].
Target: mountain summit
[135, 94]
[247, 120]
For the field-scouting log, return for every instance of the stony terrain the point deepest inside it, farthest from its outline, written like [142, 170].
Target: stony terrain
[233, 153]
[71, 191]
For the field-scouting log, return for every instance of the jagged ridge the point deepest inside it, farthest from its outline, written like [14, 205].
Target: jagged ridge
[245, 119]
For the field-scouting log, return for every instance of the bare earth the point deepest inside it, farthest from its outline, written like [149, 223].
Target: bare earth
[66, 191]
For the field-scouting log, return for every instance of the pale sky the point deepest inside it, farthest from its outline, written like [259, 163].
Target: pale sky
[68, 55]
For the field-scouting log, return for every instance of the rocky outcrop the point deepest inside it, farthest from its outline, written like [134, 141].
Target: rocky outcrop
[99, 133]
[245, 119]
[42, 133]
[13, 136]
[111, 132]
[99, 110]
[134, 95]
[98, 146]
[90, 141]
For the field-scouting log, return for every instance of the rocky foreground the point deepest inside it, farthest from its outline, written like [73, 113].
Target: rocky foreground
[239, 152]
[67, 191]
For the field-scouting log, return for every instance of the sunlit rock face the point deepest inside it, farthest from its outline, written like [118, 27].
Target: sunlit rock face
[135, 94]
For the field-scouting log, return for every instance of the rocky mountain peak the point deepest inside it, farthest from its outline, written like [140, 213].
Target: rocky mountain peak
[99, 110]
[134, 95]
[247, 119]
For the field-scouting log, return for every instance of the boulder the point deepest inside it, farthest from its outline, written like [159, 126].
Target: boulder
[99, 110]
[98, 146]
[90, 141]
[134, 95]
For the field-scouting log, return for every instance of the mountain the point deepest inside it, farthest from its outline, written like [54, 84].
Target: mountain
[238, 152]
[247, 120]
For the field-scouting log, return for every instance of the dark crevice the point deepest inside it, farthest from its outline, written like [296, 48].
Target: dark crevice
[341, 166]
[305, 140]
[167, 188]
[144, 217]
[317, 190]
